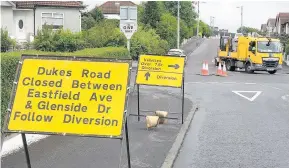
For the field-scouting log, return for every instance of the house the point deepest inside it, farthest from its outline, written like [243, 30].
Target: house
[110, 9]
[270, 26]
[263, 28]
[282, 23]
[22, 19]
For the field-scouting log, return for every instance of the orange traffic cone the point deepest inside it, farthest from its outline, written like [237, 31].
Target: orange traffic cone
[205, 69]
[219, 71]
[224, 73]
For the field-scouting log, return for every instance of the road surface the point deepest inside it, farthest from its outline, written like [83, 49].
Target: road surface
[236, 128]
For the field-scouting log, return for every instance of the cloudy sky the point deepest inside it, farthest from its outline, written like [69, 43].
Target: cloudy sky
[228, 16]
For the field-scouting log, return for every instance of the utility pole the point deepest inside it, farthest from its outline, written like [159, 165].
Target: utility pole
[212, 19]
[178, 40]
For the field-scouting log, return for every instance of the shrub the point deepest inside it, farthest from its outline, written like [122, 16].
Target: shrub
[287, 49]
[60, 40]
[10, 60]
[147, 42]
[104, 34]
[6, 41]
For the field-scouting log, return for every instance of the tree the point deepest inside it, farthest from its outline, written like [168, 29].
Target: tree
[152, 14]
[167, 29]
[247, 30]
[87, 21]
[96, 13]
[186, 12]
[205, 29]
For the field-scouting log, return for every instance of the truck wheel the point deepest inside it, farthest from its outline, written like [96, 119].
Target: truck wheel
[216, 62]
[229, 65]
[272, 72]
[248, 68]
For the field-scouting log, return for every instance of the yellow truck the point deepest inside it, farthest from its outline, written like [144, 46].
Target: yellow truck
[250, 53]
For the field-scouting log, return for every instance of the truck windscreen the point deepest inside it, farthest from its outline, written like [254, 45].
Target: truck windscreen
[272, 47]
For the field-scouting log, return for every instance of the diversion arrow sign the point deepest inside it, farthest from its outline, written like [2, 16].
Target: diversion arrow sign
[176, 66]
[147, 75]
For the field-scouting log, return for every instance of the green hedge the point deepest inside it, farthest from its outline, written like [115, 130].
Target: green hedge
[10, 60]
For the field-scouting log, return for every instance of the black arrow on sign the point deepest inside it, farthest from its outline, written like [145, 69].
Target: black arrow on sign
[147, 75]
[176, 66]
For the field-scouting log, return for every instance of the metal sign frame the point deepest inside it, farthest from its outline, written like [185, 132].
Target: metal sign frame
[183, 74]
[70, 58]
[182, 88]
[64, 58]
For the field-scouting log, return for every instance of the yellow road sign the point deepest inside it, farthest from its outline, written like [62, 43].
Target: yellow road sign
[71, 97]
[160, 70]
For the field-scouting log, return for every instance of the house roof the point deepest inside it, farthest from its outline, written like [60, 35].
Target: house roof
[284, 18]
[110, 7]
[32, 4]
[271, 22]
[263, 26]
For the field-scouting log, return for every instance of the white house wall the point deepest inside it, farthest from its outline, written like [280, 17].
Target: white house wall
[27, 23]
[7, 19]
[111, 16]
[72, 17]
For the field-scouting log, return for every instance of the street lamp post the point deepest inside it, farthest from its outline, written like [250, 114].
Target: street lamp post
[198, 25]
[198, 19]
[241, 7]
[212, 19]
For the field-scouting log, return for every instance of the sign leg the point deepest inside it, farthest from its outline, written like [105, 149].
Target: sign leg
[26, 150]
[127, 144]
[138, 118]
[183, 100]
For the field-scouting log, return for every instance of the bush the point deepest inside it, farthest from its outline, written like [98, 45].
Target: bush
[6, 41]
[147, 42]
[104, 34]
[287, 49]
[60, 40]
[10, 60]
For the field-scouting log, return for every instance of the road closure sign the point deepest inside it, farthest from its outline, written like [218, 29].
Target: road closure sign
[160, 70]
[81, 97]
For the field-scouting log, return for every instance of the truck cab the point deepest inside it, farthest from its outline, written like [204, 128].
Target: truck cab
[250, 53]
[264, 54]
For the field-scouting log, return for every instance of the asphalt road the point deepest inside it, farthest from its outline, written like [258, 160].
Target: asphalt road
[234, 132]
[148, 148]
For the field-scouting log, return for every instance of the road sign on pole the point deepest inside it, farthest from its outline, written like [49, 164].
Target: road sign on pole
[128, 22]
[160, 70]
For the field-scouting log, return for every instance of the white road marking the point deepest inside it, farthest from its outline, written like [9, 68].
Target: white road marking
[229, 82]
[250, 83]
[285, 97]
[257, 93]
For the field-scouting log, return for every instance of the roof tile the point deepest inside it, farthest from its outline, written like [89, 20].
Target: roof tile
[32, 4]
[110, 7]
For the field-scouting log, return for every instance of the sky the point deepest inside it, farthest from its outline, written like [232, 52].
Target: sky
[228, 16]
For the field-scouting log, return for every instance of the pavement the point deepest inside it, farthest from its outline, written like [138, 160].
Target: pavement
[247, 129]
[148, 148]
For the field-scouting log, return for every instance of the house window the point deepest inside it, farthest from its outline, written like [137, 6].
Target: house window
[55, 20]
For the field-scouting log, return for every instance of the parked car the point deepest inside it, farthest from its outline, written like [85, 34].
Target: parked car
[177, 52]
